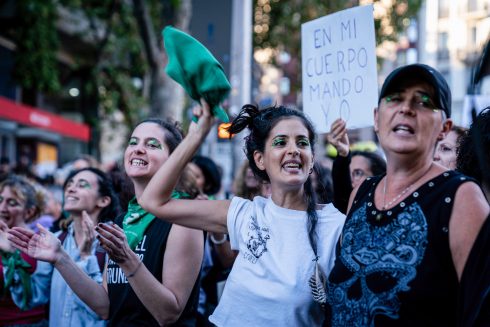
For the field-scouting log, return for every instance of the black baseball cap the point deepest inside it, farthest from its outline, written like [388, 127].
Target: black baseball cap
[425, 73]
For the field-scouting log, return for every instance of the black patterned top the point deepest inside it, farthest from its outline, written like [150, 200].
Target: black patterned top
[394, 267]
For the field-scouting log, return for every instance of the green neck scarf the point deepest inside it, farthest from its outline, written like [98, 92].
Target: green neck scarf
[137, 220]
[14, 263]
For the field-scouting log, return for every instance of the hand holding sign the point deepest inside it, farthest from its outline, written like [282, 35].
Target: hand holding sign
[339, 68]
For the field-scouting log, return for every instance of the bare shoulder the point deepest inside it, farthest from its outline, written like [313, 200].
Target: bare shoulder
[469, 212]
[470, 203]
[181, 233]
[184, 241]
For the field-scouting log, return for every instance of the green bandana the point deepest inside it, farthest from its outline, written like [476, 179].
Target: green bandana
[15, 263]
[193, 66]
[137, 220]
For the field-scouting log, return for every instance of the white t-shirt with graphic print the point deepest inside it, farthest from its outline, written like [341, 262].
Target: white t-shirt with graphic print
[268, 284]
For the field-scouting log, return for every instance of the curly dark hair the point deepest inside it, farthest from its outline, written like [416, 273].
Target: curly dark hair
[467, 161]
[260, 122]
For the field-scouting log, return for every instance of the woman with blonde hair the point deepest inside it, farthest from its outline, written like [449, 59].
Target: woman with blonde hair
[19, 205]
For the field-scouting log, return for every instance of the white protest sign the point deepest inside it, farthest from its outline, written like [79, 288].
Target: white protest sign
[339, 68]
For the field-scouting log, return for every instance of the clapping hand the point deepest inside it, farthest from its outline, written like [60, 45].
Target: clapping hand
[113, 239]
[43, 246]
[4, 242]
[338, 137]
[88, 235]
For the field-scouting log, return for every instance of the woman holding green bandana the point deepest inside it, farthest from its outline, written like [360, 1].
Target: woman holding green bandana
[88, 199]
[19, 204]
[150, 278]
[284, 240]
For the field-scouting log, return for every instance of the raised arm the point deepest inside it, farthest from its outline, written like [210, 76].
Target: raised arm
[167, 299]
[337, 136]
[45, 246]
[470, 210]
[342, 184]
[205, 215]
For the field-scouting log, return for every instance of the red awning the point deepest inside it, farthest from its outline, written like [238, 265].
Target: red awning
[39, 118]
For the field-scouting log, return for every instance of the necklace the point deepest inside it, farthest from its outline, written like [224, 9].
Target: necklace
[387, 205]
[405, 190]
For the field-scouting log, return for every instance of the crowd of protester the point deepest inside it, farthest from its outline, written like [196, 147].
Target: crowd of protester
[400, 235]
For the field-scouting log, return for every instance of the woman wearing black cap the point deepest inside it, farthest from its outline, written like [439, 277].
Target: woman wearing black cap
[408, 233]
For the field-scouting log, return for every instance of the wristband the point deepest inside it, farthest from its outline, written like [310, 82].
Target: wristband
[135, 271]
[218, 242]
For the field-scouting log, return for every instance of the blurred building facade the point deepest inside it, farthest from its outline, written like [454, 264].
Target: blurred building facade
[224, 27]
[39, 129]
[450, 36]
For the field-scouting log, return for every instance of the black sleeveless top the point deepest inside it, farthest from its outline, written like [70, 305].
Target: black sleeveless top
[125, 307]
[394, 267]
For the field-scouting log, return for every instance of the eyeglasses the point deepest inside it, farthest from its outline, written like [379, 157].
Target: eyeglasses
[419, 102]
[357, 174]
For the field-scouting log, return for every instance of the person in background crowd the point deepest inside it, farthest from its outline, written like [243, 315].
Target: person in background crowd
[207, 175]
[5, 167]
[89, 198]
[123, 186]
[51, 213]
[408, 233]
[19, 204]
[85, 161]
[246, 185]
[350, 169]
[474, 297]
[283, 241]
[321, 179]
[218, 255]
[467, 161]
[25, 167]
[446, 149]
[150, 278]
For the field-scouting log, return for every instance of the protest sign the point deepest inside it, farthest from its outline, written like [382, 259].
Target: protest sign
[339, 76]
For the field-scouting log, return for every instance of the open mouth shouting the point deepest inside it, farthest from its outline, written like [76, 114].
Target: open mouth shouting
[403, 129]
[292, 166]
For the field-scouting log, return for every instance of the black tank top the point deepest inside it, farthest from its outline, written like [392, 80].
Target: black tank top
[394, 267]
[125, 307]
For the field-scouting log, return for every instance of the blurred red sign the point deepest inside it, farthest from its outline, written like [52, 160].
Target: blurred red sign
[38, 118]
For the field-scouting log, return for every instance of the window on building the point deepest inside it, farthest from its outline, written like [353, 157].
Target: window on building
[472, 5]
[443, 8]
[447, 76]
[472, 36]
[442, 46]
